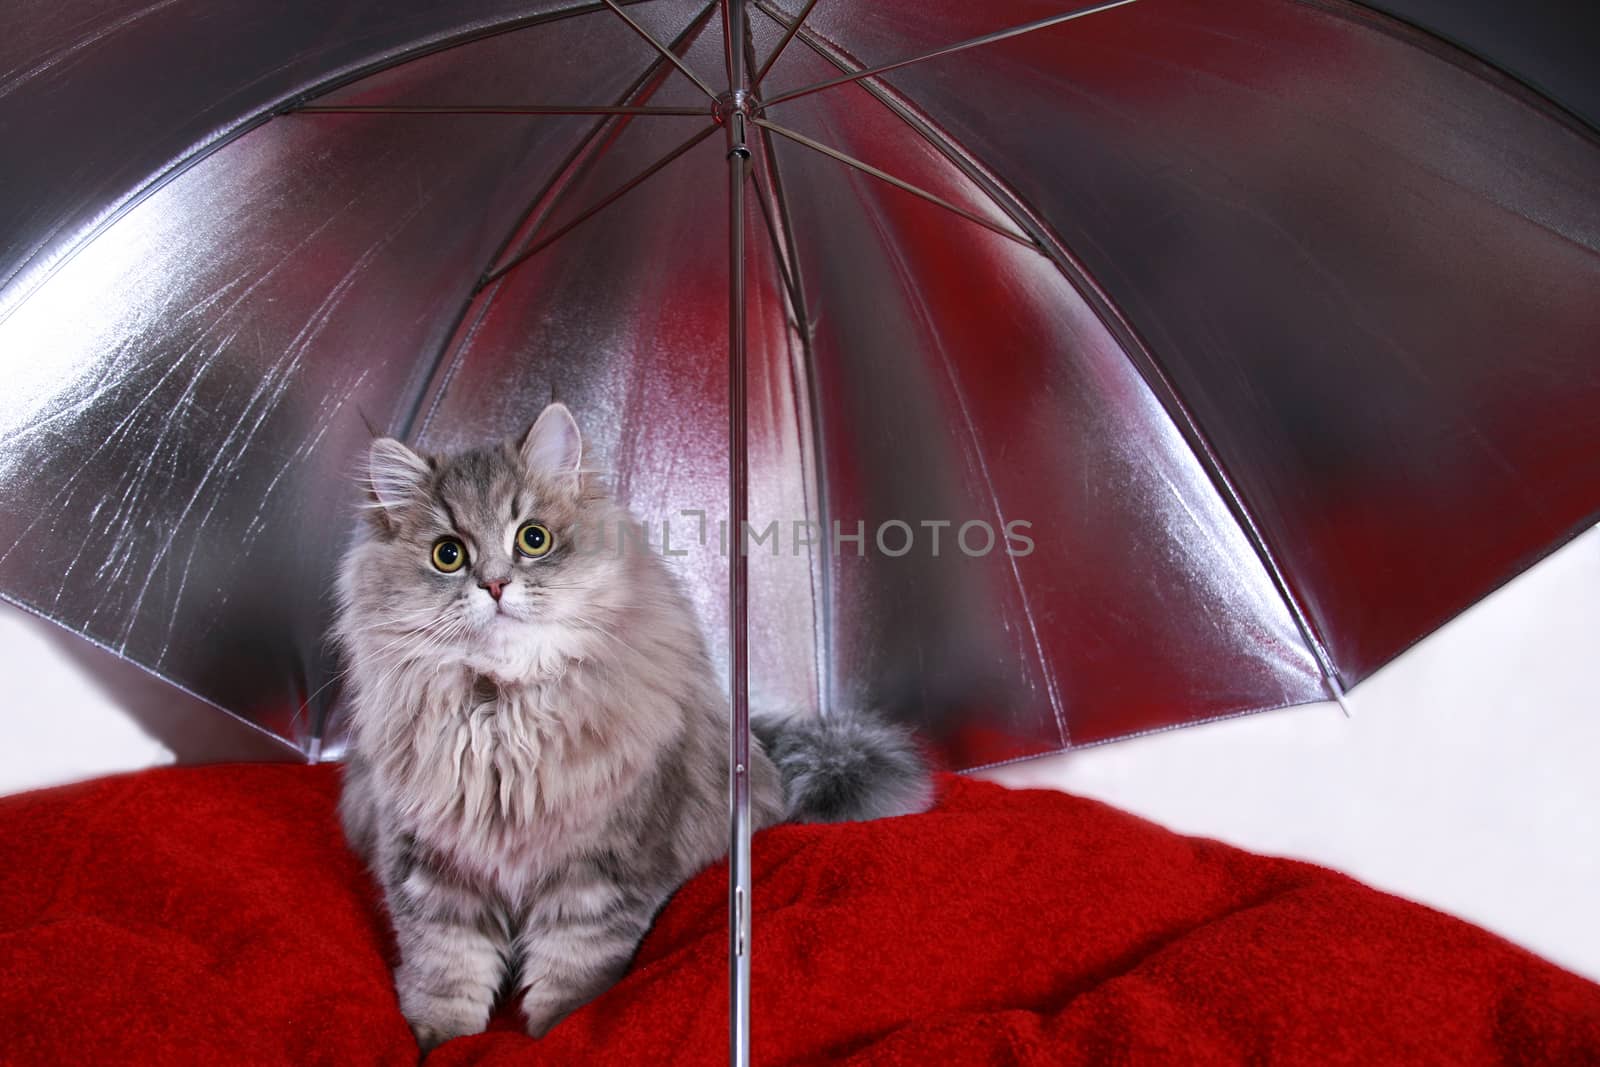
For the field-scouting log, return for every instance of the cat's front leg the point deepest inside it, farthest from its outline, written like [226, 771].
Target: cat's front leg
[453, 949]
[575, 943]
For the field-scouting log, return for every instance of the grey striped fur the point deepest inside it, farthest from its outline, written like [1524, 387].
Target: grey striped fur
[531, 778]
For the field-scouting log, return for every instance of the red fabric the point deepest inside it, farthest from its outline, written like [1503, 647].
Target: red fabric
[212, 915]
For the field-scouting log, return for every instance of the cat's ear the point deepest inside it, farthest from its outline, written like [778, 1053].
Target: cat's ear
[553, 444]
[395, 476]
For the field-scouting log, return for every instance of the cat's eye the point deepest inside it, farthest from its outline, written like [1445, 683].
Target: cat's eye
[449, 555]
[534, 540]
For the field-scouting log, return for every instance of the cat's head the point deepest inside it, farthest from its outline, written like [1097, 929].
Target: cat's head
[490, 557]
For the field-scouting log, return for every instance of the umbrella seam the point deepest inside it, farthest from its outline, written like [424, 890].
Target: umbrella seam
[821, 572]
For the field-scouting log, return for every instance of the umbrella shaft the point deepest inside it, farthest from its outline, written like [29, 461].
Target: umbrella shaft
[732, 109]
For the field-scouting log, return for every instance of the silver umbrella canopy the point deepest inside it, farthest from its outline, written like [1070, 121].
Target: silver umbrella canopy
[1276, 321]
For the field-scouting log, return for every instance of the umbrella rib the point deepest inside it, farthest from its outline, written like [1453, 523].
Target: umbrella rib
[595, 209]
[783, 42]
[666, 52]
[640, 91]
[638, 94]
[777, 247]
[489, 109]
[962, 46]
[788, 276]
[882, 94]
[898, 183]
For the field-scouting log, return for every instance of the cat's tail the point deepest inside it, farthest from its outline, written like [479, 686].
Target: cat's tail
[845, 768]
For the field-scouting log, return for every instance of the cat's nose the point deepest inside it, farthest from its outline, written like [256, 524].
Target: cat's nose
[493, 587]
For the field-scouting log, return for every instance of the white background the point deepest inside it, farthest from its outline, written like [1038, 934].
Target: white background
[1467, 775]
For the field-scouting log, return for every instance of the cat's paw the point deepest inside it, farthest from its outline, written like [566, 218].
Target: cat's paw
[542, 1012]
[538, 1026]
[435, 1020]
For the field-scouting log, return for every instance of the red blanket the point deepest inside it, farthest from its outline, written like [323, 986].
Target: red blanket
[212, 915]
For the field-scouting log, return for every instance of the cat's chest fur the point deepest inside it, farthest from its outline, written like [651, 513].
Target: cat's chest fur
[512, 777]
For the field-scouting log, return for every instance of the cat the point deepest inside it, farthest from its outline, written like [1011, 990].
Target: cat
[538, 740]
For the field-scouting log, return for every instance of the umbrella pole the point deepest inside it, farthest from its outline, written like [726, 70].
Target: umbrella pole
[732, 110]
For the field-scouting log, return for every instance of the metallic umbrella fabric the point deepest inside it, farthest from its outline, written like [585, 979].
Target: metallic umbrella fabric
[1296, 355]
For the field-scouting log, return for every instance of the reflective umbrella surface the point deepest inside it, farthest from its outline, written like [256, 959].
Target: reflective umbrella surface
[1096, 368]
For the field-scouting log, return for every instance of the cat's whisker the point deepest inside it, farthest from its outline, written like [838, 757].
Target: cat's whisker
[341, 673]
[421, 622]
[590, 626]
[429, 640]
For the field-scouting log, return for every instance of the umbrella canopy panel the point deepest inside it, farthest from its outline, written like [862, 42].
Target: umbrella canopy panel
[1256, 307]
[191, 387]
[1368, 267]
[102, 100]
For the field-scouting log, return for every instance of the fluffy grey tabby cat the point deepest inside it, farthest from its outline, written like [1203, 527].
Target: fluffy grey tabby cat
[538, 741]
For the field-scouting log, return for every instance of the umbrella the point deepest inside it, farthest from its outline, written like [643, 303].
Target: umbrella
[1223, 350]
